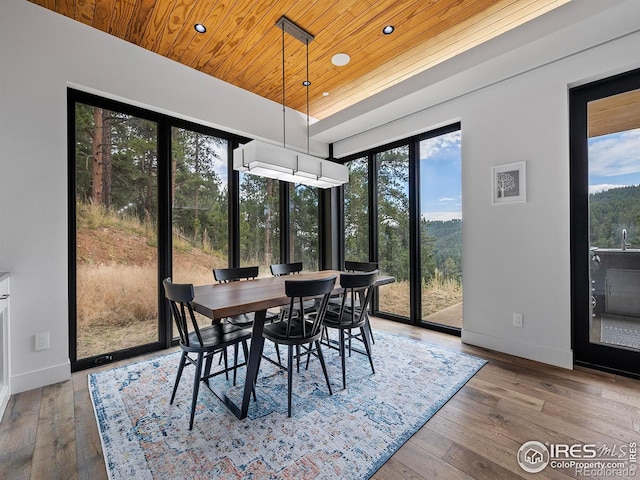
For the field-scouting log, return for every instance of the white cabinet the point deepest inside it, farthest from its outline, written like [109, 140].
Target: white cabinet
[5, 390]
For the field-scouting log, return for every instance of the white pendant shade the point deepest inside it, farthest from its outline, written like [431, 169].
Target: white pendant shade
[272, 161]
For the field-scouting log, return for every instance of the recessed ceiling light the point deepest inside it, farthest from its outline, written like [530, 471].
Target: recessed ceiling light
[388, 30]
[340, 59]
[306, 83]
[200, 28]
[325, 94]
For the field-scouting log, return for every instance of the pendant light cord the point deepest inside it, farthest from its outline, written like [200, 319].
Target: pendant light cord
[308, 84]
[284, 113]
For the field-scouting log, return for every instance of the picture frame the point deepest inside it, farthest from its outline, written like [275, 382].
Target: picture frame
[509, 183]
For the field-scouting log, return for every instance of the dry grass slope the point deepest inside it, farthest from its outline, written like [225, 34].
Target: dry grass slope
[117, 281]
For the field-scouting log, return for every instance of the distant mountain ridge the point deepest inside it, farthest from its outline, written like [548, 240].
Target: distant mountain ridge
[610, 212]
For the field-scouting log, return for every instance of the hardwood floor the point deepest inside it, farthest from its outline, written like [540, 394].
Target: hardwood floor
[51, 433]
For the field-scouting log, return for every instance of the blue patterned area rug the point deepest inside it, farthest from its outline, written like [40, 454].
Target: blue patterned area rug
[349, 435]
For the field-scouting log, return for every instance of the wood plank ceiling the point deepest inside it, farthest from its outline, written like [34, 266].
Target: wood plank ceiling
[243, 45]
[617, 113]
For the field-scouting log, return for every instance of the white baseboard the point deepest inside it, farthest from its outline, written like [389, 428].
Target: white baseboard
[40, 378]
[539, 353]
[4, 399]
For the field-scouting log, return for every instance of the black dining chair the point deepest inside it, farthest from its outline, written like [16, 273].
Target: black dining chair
[300, 330]
[279, 269]
[236, 274]
[203, 343]
[357, 289]
[244, 320]
[353, 266]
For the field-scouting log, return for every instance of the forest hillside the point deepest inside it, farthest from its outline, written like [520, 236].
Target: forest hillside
[610, 212]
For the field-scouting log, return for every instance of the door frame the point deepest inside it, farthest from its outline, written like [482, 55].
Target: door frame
[588, 354]
[164, 238]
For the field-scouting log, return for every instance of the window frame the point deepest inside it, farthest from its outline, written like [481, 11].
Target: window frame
[413, 142]
[165, 123]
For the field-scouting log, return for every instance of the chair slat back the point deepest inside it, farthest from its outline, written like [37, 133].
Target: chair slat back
[180, 296]
[225, 275]
[360, 285]
[300, 290]
[351, 266]
[278, 269]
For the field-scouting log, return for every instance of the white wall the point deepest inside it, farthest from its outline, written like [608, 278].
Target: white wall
[41, 54]
[516, 258]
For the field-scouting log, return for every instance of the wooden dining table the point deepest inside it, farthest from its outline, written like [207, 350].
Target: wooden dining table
[235, 298]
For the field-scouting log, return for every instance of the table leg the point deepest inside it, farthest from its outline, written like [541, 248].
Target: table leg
[253, 363]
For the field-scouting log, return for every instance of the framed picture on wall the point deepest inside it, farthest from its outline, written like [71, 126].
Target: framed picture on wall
[509, 183]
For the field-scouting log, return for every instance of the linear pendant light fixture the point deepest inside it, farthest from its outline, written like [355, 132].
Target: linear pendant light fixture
[272, 161]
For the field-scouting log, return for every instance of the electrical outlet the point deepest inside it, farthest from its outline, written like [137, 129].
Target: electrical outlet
[517, 320]
[42, 341]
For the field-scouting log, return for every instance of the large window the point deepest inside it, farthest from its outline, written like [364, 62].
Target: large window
[441, 229]
[392, 168]
[356, 211]
[303, 231]
[151, 196]
[259, 222]
[199, 205]
[403, 209]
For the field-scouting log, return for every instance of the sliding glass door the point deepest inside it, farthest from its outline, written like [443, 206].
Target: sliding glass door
[115, 178]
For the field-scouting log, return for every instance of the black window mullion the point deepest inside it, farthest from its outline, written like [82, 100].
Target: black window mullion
[233, 204]
[340, 225]
[285, 222]
[373, 220]
[164, 227]
[71, 227]
[415, 274]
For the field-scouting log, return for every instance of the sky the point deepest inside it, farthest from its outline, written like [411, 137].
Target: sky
[614, 160]
[440, 177]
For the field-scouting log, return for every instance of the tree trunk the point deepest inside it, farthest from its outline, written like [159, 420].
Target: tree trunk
[106, 159]
[101, 152]
[149, 190]
[195, 199]
[174, 167]
[97, 184]
[267, 224]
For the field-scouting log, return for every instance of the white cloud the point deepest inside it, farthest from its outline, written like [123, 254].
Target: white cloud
[447, 199]
[432, 146]
[615, 154]
[442, 216]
